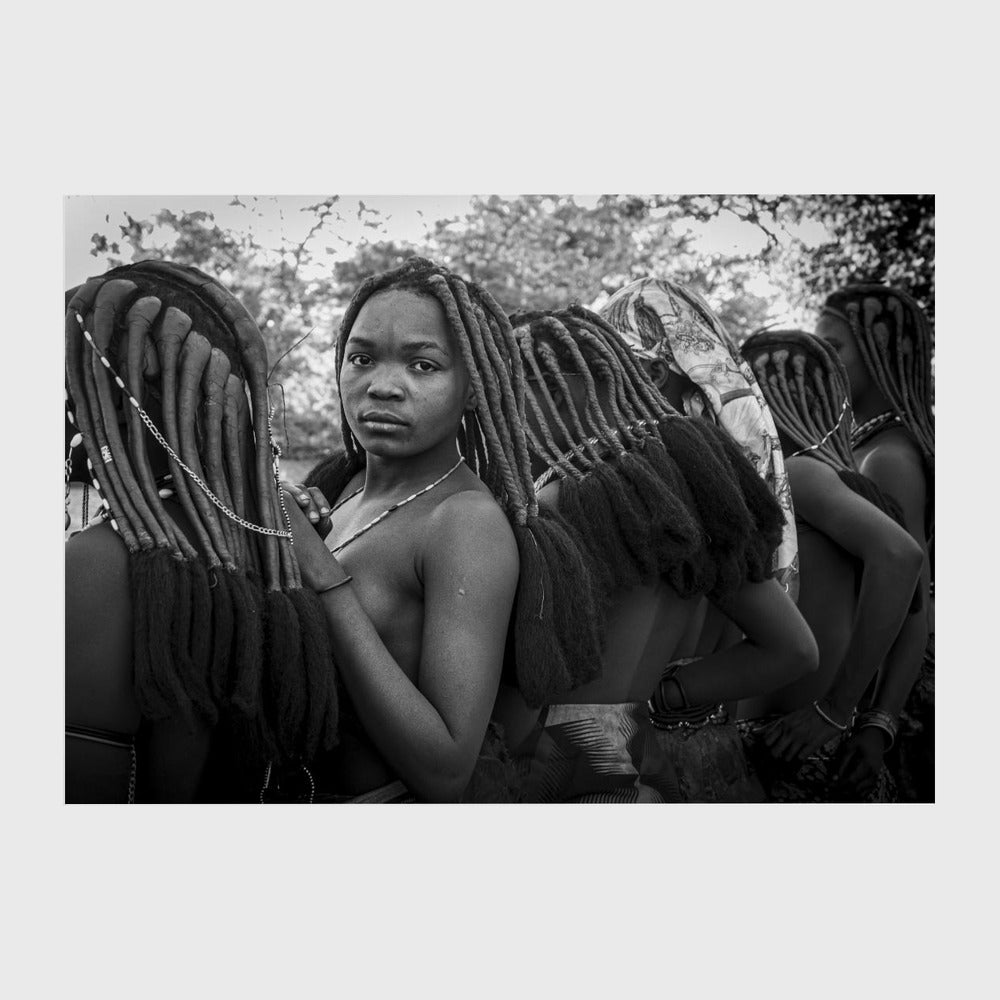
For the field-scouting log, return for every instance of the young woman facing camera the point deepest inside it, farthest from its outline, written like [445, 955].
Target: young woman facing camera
[419, 566]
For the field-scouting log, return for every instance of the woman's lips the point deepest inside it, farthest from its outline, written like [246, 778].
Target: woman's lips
[384, 422]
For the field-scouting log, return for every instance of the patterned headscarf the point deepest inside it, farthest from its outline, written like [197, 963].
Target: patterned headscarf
[663, 321]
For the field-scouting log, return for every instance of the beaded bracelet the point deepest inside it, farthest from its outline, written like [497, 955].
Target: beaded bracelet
[688, 716]
[880, 720]
[334, 586]
[826, 718]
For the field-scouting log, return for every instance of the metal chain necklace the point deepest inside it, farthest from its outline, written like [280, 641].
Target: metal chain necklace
[144, 416]
[381, 517]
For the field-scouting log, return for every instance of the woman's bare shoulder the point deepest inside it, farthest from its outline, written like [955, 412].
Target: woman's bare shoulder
[470, 524]
[894, 452]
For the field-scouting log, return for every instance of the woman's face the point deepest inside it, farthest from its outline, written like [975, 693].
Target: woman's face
[403, 382]
[838, 335]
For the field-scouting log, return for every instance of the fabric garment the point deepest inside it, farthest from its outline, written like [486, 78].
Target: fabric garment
[807, 780]
[661, 320]
[711, 764]
[613, 753]
[596, 753]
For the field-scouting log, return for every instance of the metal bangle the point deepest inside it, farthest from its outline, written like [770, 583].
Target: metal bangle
[826, 718]
[334, 586]
[880, 720]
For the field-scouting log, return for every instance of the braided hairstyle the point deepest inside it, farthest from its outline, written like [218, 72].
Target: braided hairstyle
[894, 339]
[555, 645]
[806, 386]
[650, 493]
[223, 629]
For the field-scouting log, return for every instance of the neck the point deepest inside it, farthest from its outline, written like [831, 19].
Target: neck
[870, 404]
[391, 475]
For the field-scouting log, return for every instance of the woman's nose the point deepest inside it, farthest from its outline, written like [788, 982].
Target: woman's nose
[384, 385]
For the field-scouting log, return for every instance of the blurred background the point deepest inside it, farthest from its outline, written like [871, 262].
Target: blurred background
[294, 261]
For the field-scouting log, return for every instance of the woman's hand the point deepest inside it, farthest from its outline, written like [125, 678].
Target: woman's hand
[313, 504]
[798, 734]
[318, 565]
[860, 762]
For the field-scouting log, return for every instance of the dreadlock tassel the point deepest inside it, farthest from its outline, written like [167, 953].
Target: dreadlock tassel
[572, 514]
[635, 514]
[284, 688]
[674, 531]
[320, 732]
[632, 530]
[214, 674]
[247, 699]
[768, 520]
[540, 663]
[585, 506]
[688, 573]
[153, 580]
[180, 624]
[718, 501]
[200, 643]
[577, 610]
[246, 651]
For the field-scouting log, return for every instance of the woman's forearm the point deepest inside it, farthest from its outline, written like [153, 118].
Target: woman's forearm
[406, 728]
[744, 670]
[902, 666]
[778, 648]
[887, 586]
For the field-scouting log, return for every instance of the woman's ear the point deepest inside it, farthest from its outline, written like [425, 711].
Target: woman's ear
[470, 398]
[659, 371]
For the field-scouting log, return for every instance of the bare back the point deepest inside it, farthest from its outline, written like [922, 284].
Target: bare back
[647, 627]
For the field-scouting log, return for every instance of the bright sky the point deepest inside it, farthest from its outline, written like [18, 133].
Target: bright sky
[401, 217]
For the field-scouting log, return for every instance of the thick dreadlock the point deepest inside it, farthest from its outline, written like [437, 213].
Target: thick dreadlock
[894, 338]
[805, 385]
[648, 491]
[222, 627]
[556, 646]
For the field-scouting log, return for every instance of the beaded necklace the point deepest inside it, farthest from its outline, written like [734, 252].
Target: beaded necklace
[826, 437]
[381, 517]
[866, 431]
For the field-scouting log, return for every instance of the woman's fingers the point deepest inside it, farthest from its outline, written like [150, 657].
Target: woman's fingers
[318, 506]
[310, 500]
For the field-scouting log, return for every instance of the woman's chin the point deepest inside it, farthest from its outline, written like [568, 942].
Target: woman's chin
[384, 446]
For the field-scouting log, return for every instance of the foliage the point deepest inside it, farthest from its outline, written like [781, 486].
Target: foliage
[539, 251]
[869, 237]
[886, 238]
[547, 251]
[290, 309]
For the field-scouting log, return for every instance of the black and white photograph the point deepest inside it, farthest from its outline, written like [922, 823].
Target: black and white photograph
[506, 415]
[529, 499]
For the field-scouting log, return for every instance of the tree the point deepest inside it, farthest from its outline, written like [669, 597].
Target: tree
[297, 314]
[869, 237]
[534, 251]
[547, 251]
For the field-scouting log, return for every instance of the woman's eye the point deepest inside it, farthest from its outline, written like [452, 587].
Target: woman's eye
[425, 366]
[359, 360]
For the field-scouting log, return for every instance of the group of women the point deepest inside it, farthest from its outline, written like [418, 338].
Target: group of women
[558, 556]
